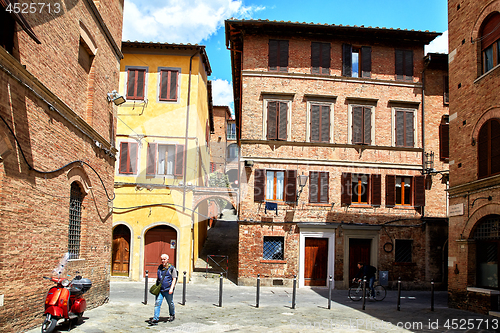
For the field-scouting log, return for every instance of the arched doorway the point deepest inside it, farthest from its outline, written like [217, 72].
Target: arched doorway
[159, 240]
[487, 237]
[120, 259]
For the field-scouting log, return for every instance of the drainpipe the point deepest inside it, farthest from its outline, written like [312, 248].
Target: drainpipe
[423, 123]
[187, 130]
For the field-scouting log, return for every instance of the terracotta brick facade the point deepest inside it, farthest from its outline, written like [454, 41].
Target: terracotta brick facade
[59, 113]
[344, 226]
[474, 197]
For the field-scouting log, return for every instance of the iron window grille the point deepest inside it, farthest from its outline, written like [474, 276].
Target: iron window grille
[488, 229]
[75, 219]
[403, 250]
[273, 248]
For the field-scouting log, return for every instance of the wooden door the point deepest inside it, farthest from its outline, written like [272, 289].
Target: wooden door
[359, 250]
[157, 241]
[316, 261]
[120, 251]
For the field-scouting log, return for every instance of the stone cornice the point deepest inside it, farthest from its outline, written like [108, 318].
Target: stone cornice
[475, 186]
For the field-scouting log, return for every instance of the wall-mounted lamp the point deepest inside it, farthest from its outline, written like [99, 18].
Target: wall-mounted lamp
[302, 181]
[116, 98]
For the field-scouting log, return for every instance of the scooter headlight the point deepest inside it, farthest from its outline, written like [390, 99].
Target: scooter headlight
[65, 283]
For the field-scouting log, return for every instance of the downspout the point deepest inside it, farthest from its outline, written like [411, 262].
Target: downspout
[423, 125]
[187, 131]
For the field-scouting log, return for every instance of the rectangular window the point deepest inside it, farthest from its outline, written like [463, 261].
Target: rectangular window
[136, 79]
[404, 65]
[318, 187]
[278, 55]
[360, 189]
[356, 61]
[273, 248]
[446, 90]
[231, 130]
[165, 160]
[404, 128]
[8, 28]
[403, 250]
[403, 190]
[444, 138]
[75, 221]
[168, 85]
[277, 120]
[275, 185]
[320, 123]
[361, 125]
[320, 58]
[278, 185]
[128, 158]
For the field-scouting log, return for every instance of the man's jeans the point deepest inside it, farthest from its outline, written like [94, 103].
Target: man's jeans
[371, 281]
[159, 301]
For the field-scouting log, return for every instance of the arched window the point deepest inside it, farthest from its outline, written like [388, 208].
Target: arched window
[487, 237]
[488, 150]
[75, 220]
[490, 42]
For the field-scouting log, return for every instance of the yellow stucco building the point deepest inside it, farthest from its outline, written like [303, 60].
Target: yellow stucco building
[162, 136]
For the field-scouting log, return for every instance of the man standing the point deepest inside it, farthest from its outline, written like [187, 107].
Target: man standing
[367, 271]
[167, 274]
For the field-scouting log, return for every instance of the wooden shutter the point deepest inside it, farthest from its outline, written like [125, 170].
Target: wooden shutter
[313, 187]
[325, 58]
[408, 64]
[273, 55]
[315, 122]
[164, 85]
[482, 150]
[272, 120]
[376, 186]
[290, 186]
[179, 160]
[325, 123]
[366, 61]
[399, 64]
[495, 147]
[490, 31]
[282, 121]
[346, 60]
[323, 187]
[173, 85]
[315, 57]
[259, 185]
[151, 159]
[131, 83]
[345, 197]
[444, 141]
[283, 54]
[409, 141]
[390, 190]
[419, 183]
[357, 124]
[124, 156]
[400, 128]
[367, 125]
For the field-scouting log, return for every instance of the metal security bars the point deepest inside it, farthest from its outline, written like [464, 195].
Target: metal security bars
[75, 219]
[273, 248]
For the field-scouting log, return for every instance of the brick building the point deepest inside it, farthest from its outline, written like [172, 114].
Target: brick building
[342, 109]
[474, 127]
[57, 150]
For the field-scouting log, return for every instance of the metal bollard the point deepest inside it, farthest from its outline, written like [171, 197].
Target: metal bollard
[432, 295]
[399, 294]
[364, 292]
[330, 293]
[146, 289]
[220, 290]
[294, 291]
[258, 291]
[184, 289]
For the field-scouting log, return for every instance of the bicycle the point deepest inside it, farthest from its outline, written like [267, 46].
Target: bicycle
[356, 292]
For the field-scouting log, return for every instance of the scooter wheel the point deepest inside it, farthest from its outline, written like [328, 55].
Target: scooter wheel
[49, 324]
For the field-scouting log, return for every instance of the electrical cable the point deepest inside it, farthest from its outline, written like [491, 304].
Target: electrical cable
[56, 170]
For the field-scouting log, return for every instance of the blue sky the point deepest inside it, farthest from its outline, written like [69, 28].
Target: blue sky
[202, 22]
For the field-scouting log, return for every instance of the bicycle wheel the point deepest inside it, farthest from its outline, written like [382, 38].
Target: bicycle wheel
[380, 293]
[355, 293]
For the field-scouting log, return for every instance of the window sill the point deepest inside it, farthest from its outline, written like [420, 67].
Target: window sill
[404, 264]
[487, 73]
[76, 260]
[360, 205]
[273, 261]
[319, 204]
[483, 291]
[403, 207]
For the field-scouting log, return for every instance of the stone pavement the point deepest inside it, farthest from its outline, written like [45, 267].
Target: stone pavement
[125, 312]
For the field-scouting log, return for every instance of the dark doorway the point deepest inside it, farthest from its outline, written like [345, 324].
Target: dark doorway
[359, 250]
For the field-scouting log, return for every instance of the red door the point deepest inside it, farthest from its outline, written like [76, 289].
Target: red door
[359, 250]
[121, 251]
[316, 261]
[157, 241]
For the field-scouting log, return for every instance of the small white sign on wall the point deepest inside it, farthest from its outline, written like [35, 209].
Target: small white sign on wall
[456, 210]
[172, 243]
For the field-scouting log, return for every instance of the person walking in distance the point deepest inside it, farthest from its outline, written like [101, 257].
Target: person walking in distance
[167, 274]
[367, 271]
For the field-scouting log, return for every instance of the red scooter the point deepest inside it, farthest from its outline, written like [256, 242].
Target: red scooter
[65, 301]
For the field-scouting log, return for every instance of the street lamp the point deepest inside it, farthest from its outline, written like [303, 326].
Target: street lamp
[302, 181]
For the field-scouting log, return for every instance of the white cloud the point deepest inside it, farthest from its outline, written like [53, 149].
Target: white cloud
[222, 93]
[179, 21]
[438, 45]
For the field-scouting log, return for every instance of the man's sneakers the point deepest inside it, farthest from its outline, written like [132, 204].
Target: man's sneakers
[153, 322]
[171, 318]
